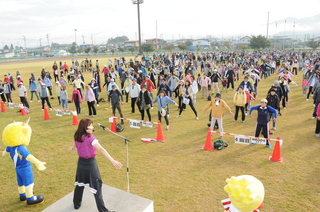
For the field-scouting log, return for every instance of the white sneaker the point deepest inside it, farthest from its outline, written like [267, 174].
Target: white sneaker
[178, 116]
[318, 135]
[284, 108]
[168, 115]
[313, 117]
[38, 100]
[197, 118]
[307, 99]
[97, 105]
[151, 107]
[246, 114]
[314, 105]
[30, 100]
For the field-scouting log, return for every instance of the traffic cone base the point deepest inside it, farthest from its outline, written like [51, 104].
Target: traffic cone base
[3, 108]
[276, 153]
[74, 119]
[46, 113]
[23, 112]
[208, 145]
[113, 126]
[160, 136]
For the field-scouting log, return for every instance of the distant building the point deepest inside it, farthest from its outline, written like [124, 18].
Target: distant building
[131, 43]
[201, 43]
[156, 43]
[7, 55]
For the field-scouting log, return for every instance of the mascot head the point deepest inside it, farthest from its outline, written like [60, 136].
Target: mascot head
[16, 134]
[245, 192]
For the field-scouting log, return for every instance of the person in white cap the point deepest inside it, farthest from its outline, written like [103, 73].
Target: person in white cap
[58, 90]
[23, 94]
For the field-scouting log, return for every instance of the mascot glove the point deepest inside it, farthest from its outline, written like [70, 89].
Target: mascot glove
[38, 163]
[4, 153]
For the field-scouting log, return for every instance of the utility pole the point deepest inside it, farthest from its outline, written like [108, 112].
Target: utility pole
[82, 39]
[268, 26]
[48, 40]
[138, 2]
[157, 34]
[92, 39]
[75, 36]
[25, 43]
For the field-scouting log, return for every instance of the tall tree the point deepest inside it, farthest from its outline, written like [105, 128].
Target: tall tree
[188, 42]
[6, 47]
[87, 50]
[313, 44]
[11, 46]
[73, 49]
[95, 49]
[183, 47]
[227, 44]
[259, 42]
[147, 47]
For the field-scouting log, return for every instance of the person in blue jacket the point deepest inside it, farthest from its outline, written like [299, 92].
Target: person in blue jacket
[163, 102]
[263, 119]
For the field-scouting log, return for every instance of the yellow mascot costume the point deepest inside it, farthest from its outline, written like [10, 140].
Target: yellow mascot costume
[16, 136]
[246, 194]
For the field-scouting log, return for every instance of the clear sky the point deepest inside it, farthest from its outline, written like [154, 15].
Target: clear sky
[103, 19]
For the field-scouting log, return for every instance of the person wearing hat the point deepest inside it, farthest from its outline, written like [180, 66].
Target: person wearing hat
[134, 94]
[279, 91]
[33, 89]
[23, 94]
[217, 105]
[273, 101]
[44, 95]
[144, 102]
[58, 90]
[127, 84]
[114, 96]
[95, 88]
[215, 77]
[163, 102]
[264, 113]
[112, 83]
[239, 100]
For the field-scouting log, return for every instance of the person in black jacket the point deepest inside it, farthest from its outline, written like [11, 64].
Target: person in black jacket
[115, 96]
[279, 92]
[229, 74]
[273, 101]
[215, 77]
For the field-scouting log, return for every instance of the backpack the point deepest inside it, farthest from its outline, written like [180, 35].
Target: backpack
[220, 144]
[119, 128]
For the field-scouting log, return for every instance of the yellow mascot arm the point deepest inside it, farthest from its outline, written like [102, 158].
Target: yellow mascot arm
[4, 153]
[38, 163]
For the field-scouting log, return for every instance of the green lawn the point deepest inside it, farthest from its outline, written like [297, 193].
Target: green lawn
[176, 174]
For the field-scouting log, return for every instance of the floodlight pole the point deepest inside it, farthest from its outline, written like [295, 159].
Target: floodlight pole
[138, 2]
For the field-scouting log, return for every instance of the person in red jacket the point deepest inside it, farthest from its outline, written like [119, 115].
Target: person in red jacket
[77, 99]
[65, 67]
[148, 83]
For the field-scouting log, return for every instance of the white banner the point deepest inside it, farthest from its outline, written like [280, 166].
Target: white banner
[147, 124]
[240, 139]
[11, 105]
[67, 112]
[135, 124]
[259, 141]
[58, 113]
[74, 113]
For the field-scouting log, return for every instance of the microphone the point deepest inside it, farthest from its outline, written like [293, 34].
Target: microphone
[101, 125]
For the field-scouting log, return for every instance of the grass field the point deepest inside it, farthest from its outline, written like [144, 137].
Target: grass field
[176, 174]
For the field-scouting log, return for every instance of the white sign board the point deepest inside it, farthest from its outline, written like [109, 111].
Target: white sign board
[74, 113]
[240, 139]
[135, 124]
[58, 113]
[110, 120]
[147, 124]
[259, 141]
[67, 112]
[11, 105]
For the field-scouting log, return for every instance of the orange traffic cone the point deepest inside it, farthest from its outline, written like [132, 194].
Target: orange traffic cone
[74, 118]
[159, 133]
[276, 152]
[45, 113]
[208, 145]
[23, 111]
[113, 124]
[3, 108]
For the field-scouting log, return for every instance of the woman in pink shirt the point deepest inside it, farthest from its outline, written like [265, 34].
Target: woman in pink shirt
[88, 174]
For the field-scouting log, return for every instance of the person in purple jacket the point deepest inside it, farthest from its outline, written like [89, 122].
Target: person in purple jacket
[263, 119]
[88, 174]
[91, 99]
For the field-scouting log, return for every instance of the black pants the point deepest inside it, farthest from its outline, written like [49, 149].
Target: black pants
[318, 127]
[50, 90]
[133, 104]
[243, 117]
[148, 113]
[78, 108]
[285, 99]
[127, 97]
[92, 109]
[12, 86]
[122, 84]
[165, 118]
[191, 105]
[310, 91]
[265, 131]
[59, 100]
[79, 89]
[56, 77]
[115, 106]
[183, 106]
[24, 101]
[3, 98]
[45, 99]
[230, 81]
[8, 97]
[295, 70]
